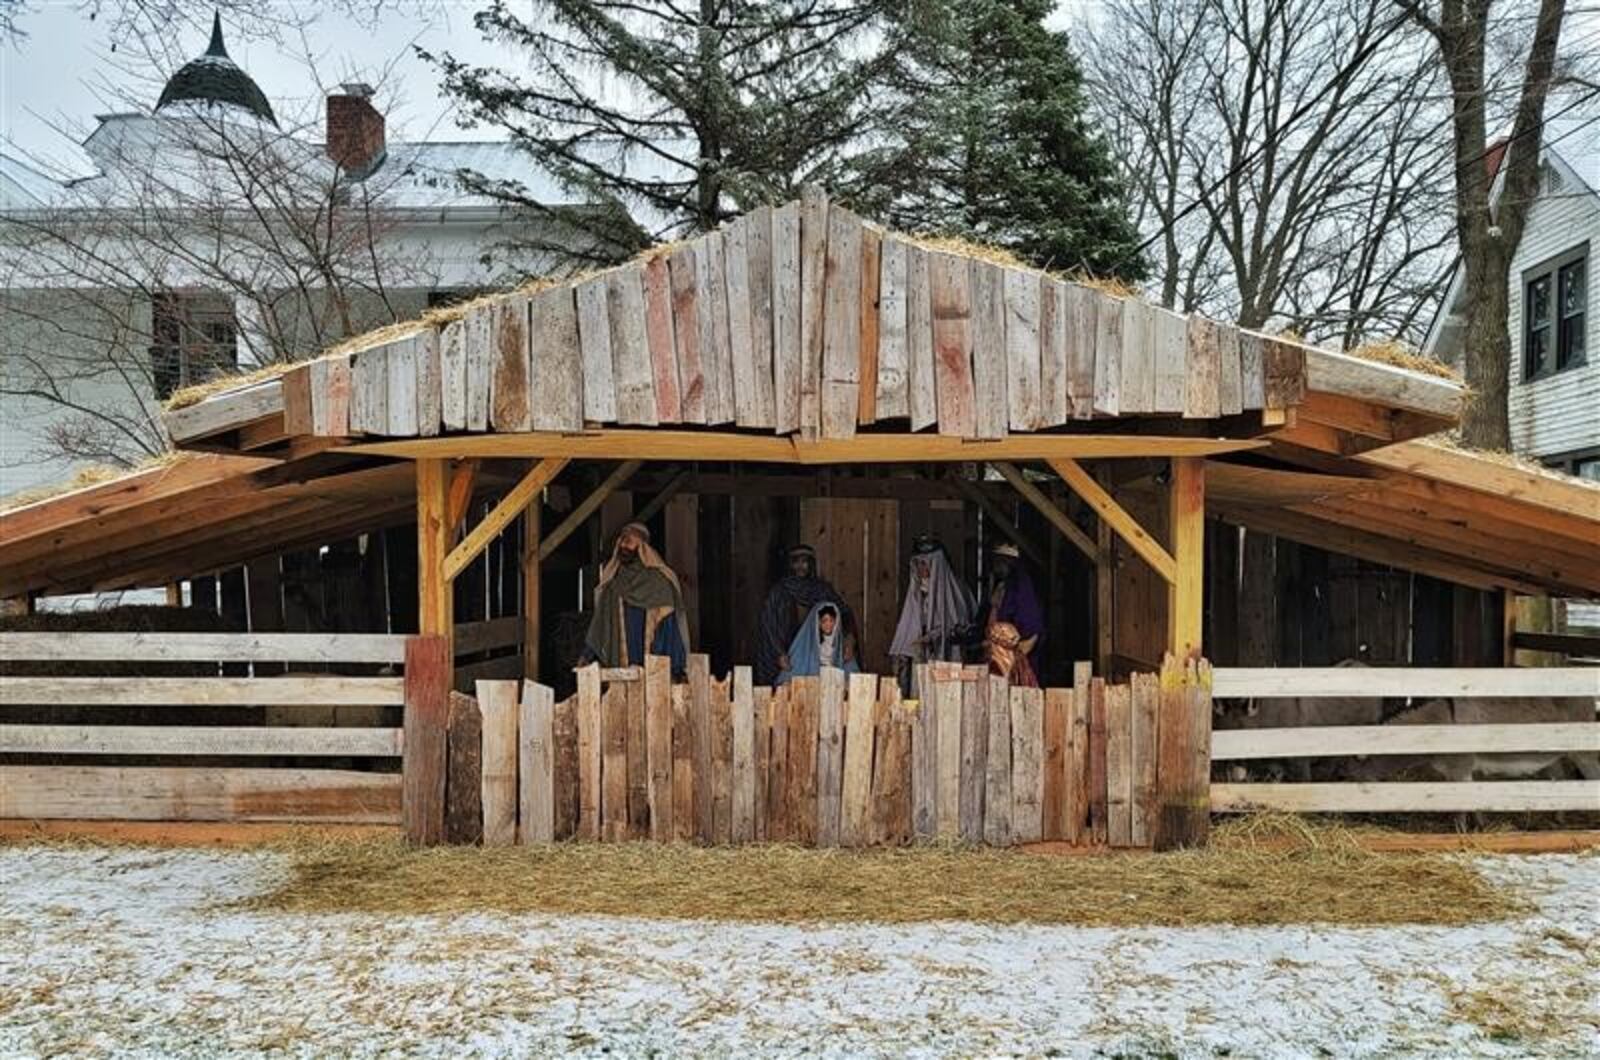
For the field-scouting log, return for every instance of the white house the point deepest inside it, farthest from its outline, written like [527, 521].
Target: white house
[207, 238]
[1554, 295]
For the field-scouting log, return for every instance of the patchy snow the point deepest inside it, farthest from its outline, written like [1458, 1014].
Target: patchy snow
[125, 951]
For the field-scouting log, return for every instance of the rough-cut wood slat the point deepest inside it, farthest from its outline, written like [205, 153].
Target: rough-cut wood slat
[1202, 395]
[204, 647]
[989, 350]
[1108, 355]
[296, 387]
[1098, 825]
[924, 755]
[761, 726]
[594, 345]
[997, 772]
[463, 780]
[891, 768]
[1230, 387]
[566, 768]
[742, 727]
[683, 775]
[716, 351]
[590, 751]
[1138, 389]
[778, 827]
[1082, 326]
[1146, 706]
[1171, 352]
[700, 736]
[429, 398]
[638, 762]
[893, 289]
[630, 347]
[295, 690]
[479, 367]
[950, 698]
[369, 394]
[181, 793]
[736, 265]
[684, 270]
[1025, 342]
[452, 375]
[787, 360]
[400, 400]
[803, 716]
[663, 347]
[1252, 375]
[508, 384]
[758, 256]
[1077, 802]
[614, 764]
[1119, 765]
[950, 293]
[1492, 796]
[1053, 405]
[427, 719]
[841, 335]
[330, 396]
[974, 756]
[556, 395]
[201, 740]
[658, 745]
[830, 755]
[855, 818]
[921, 392]
[1027, 754]
[536, 790]
[871, 280]
[813, 305]
[1053, 764]
[1284, 372]
[497, 700]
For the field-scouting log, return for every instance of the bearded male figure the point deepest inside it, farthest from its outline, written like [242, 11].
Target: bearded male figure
[786, 607]
[638, 607]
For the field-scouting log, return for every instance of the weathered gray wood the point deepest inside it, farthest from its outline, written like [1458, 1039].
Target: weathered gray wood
[1053, 405]
[630, 348]
[369, 390]
[1171, 331]
[758, 258]
[663, 347]
[180, 793]
[497, 700]
[430, 399]
[989, 385]
[204, 647]
[594, 346]
[1202, 396]
[1491, 796]
[479, 358]
[813, 305]
[830, 755]
[855, 804]
[1082, 326]
[400, 398]
[950, 287]
[974, 757]
[1119, 765]
[290, 690]
[921, 400]
[1240, 682]
[924, 756]
[841, 344]
[1252, 377]
[536, 765]
[1138, 389]
[787, 359]
[453, 375]
[684, 270]
[330, 396]
[1027, 758]
[1339, 740]
[736, 263]
[508, 383]
[716, 353]
[1230, 388]
[893, 289]
[309, 742]
[744, 756]
[997, 768]
[1108, 355]
[556, 394]
[1024, 372]
[950, 699]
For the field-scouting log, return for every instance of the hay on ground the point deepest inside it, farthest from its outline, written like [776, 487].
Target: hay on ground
[1322, 878]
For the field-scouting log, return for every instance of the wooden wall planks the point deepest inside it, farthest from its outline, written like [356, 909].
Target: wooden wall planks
[988, 336]
[950, 299]
[893, 291]
[557, 394]
[684, 272]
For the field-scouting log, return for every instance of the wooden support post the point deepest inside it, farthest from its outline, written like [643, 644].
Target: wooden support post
[579, 515]
[531, 597]
[1056, 516]
[1188, 520]
[433, 544]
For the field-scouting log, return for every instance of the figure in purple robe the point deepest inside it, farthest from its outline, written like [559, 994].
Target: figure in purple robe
[1012, 618]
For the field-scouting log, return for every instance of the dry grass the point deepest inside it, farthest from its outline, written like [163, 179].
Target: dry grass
[1248, 876]
[193, 395]
[1401, 355]
[1452, 440]
[85, 478]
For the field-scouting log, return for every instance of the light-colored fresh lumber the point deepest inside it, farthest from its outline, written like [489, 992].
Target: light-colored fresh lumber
[1054, 515]
[289, 690]
[1137, 393]
[1186, 521]
[1491, 796]
[1104, 505]
[536, 765]
[500, 516]
[1382, 384]
[946, 697]
[198, 740]
[587, 507]
[204, 647]
[435, 602]
[1237, 682]
[178, 793]
[497, 700]
[1328, 740]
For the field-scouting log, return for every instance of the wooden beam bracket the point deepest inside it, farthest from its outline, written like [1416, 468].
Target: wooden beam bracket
[1056, 516]
[587, 507]
[1116, 516]
[500, 516]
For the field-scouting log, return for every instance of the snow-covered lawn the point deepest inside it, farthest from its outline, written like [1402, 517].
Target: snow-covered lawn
[132, 951]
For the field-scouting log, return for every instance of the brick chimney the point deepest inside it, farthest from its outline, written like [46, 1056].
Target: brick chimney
[355, 130]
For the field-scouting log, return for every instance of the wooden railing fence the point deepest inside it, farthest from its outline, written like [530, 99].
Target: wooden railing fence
[834, 760]
[44, 700]
[1403, 796]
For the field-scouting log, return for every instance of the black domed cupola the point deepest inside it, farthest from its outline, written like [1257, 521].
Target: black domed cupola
[215, 78]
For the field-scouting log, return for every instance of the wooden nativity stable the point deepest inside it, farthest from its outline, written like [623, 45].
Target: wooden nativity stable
[802, 374]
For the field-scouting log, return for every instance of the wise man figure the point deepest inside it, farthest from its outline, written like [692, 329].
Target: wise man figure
[1012, 618]
[638, 607]
[788, 604]
[938, 613]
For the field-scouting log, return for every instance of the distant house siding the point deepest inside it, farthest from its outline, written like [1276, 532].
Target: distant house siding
[1559, 413]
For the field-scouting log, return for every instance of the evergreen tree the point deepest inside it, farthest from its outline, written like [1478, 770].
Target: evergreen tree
[664, 118]
[991, 141]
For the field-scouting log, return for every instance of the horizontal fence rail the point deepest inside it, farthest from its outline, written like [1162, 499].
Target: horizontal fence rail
[1325, 741]
[1243, 682]
[1500, 796]
[38, 709]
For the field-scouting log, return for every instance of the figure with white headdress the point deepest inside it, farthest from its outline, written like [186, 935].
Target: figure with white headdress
[638, 607]
[1012, 618]
[938, 614]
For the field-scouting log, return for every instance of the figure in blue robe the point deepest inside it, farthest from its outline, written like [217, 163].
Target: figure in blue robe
[821, 641]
